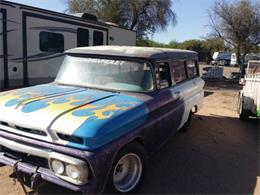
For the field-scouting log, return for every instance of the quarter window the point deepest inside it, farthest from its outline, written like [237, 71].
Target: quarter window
[179, 72]
[98, 38]
[192, 68]
[83, 37]
[51, 42]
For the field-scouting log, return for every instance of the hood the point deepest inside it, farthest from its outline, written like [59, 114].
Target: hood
[73, 116]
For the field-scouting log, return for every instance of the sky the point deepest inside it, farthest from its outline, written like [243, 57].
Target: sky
[192, 18]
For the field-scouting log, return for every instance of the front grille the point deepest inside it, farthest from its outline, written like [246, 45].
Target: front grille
[32, 131]
[4, 123]
[25, 130]
[33, 160]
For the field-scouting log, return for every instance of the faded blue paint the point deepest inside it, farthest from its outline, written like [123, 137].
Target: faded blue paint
[109, 116]
[100, 132]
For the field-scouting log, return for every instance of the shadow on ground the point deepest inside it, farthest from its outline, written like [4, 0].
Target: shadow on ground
[208, 93]
[219, 155]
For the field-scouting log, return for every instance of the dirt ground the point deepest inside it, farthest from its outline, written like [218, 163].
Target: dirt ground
[219, 155]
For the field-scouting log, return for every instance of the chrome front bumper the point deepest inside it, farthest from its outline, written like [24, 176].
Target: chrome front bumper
[46, 154]
[45, 174]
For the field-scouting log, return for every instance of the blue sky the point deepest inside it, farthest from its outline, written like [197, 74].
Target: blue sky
[192, 17]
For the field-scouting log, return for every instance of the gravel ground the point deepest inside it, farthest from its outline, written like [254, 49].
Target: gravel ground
[219, 155]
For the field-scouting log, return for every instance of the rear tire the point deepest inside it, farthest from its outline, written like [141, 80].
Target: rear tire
[127, 171]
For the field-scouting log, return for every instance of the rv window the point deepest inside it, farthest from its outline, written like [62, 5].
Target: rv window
[178, 70]
[98, 38]
[83, 37]
[192, 68]
[51, 42]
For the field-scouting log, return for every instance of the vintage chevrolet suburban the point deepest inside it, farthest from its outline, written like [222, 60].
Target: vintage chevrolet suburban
[108, 109]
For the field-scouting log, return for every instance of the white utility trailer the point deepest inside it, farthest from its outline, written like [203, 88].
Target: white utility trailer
[249, 98]
[32, 41]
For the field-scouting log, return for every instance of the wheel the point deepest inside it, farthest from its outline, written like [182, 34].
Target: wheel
[243, 113]
[127, 171]
[185, 128]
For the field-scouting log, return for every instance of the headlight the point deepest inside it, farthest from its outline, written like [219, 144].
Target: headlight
[72, 171]
[68, 168]
[57, 167]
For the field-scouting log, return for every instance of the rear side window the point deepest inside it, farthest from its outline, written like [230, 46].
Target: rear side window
[178, 71]
[83, 37]
[51, 42]
[164, 75]
[192, 69]
[98, 38]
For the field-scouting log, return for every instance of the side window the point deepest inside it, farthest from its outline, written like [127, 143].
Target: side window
[164, 75]
[51, 42]
[192, 68]
[178, 71]
[98, 38]
[83, 37]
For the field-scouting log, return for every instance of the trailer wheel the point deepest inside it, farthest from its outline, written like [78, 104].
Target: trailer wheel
[243, 113]
[127, 171]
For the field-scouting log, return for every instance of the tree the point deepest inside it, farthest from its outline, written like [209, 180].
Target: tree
[212, 45]
[144, 16]
[204, 48]
[174, 44]
[238, 24]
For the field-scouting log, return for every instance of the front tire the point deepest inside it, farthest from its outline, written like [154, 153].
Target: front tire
[127, 171]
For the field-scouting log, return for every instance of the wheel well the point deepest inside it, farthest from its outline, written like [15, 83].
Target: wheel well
[194, 109]
[139, 140]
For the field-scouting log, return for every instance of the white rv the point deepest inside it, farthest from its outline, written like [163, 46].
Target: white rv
[32, 41]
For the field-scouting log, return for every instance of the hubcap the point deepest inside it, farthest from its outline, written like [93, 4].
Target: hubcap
[127, 173]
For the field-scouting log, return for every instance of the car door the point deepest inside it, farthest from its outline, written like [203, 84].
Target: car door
[168, 107]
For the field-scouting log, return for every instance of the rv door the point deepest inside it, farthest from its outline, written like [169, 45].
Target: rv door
[3, 51]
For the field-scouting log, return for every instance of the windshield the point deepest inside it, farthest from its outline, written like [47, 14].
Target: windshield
[118, 75]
